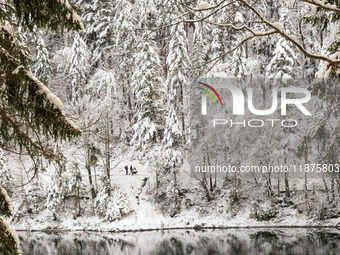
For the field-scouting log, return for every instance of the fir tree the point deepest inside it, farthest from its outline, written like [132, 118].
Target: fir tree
[284, 63]
[29, 109]
[5, 174]
[198, 55]
[178, 63]
[78, 67]
[99, 30]
[9, 241]
[42, 65]
[76, 184]
[125, 39]
[239, 63]
[147, 87]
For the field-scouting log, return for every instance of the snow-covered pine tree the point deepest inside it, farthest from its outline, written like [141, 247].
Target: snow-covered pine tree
[78, 68]
[5, 174]
[99, 30]
[76, 184]
[198, 55]
[239, 63]
[284, 63]
[125, 39]
[58, 189]
[148, 94]
[9, 241]
[42, 67]
[29, 109]
[173, 138]
[178, 64]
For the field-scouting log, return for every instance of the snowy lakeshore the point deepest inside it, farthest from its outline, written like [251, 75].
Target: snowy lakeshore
[145, 213]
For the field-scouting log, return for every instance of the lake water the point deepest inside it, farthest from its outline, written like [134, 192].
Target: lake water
[231, 241]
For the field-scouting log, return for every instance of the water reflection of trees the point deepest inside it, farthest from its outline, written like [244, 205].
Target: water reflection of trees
[233, 242]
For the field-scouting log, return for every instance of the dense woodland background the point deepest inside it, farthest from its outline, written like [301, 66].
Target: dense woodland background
[124, 80]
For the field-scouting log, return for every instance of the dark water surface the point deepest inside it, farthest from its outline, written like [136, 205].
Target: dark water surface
[231, 241]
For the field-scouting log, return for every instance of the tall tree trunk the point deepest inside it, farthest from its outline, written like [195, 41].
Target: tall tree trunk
[107, 146]
[88, 167]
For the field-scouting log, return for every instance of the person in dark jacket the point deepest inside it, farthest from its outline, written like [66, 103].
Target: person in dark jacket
[127, 170]
[131, 169]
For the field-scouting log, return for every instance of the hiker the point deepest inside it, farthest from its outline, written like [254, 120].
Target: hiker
[131, 169]
[127, 170]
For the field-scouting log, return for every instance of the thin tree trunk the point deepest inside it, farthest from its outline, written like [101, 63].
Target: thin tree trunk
[333, 189]
[305, 188]
[287, 191]
[326, 188]
[210, 176]
[93, 192]
[157, 179]
[107, 146]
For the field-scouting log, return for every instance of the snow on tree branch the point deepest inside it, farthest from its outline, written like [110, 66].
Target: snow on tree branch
[53, 99]
[322, 4]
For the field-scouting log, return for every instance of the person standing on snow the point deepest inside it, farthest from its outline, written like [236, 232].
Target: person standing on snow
[127, 170]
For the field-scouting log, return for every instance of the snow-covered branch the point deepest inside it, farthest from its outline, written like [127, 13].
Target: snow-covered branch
[278, 27]
[323, 5]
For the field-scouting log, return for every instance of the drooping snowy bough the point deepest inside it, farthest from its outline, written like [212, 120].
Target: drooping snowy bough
[9, 241]
[30, 114]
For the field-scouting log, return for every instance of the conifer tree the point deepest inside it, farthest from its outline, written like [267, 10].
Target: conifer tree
[42, 66]
[5, 174]
[147, 89]
[78, 67]
[9, 241]
[29, 109]
[284, 63]
[178, 64]
[198, 55]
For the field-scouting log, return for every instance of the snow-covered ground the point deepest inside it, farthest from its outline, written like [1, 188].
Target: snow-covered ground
[145, 213]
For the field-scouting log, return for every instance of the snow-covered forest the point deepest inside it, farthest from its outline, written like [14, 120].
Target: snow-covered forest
[90, 87]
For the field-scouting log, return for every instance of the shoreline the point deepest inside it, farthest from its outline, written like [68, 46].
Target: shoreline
[196, 228]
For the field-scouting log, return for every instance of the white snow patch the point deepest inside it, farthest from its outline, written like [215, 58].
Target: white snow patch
[239, 17]
[278, 26]
[203, 6]
[17, 70]
[7, 27]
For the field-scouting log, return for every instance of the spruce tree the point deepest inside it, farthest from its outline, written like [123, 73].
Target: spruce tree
[147, 89]
[178, 64]
[284, 63]
[42, 66]
[29, 110]
[78, 67]
[9, 241]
